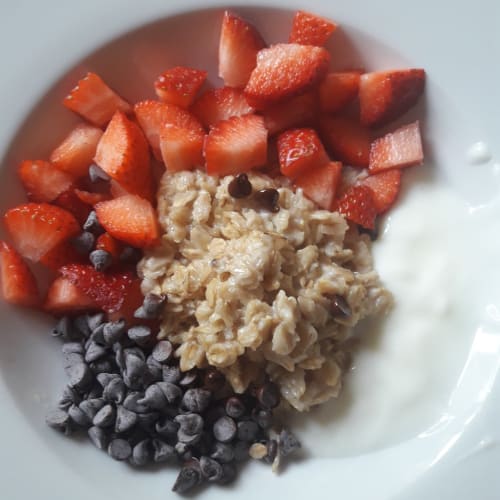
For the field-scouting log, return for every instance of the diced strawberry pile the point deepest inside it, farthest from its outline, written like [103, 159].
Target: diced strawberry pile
[280, 108]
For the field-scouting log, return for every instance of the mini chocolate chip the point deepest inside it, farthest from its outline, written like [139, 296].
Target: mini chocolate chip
[57, 419]
[247, 430]
[115, 391]
[268, 199]
[125, 419]
[196, 400]
[166, 427]
[96, 174]
[225, 429]
[105, 417]
[189, 476]
[99, 437]
[268, 395]
[189, 378]
[190, 423]
[100, 259]
[241, 449]
[91, 406]
[264, 418]
[235, 407]
[210, 469]
[339, 308]
[78, 416]
[140, 334]
[130, 254]
[229, 473]
[113, 331]
[142, 453]
[92, 224]
[222, 452]
[94, 352]
[69, 396]
[105, 378]
[151, 307]
[162, 451]
[272, 451]
[162, 351]
[154, 398]
[84, 242]
[287, 443]
[80, 376]
[240, 186]
[95, 320]
[213, 380]
[65, 329]
[119, 449]
[172, 392]
[171, 374]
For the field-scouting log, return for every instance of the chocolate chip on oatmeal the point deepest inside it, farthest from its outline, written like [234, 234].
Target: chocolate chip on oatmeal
[268, 199]
[339, 308]
[268, 395]
[151, 307]
[240, 186]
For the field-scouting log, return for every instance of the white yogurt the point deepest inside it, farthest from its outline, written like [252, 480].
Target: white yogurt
[408, 364]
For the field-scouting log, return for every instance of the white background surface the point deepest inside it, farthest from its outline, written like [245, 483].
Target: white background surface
[459, 46]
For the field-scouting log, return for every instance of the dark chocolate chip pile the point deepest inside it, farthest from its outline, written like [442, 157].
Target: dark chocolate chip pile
[128, 394]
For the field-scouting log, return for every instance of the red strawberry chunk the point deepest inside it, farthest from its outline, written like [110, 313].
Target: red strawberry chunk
[123, 154]
[76, 152]
[309, 29]
[357, 204]
[283, 71]
[90, 198]
[130, 219]
[337, 90]
[95, 101]
[236, 145]
[106, 242]
[107, 290]
[398, 149]
[181, 147]
[17, 281]
[300, 150]
[298, 111]
[36, 228]
[61, 255]
[320, 184]
[220, 104]
[386, 95]
[72, 203]
[347, 140]
[42, 181]
[179, 85]
[65, 298]
[385, 187]
[238, 46]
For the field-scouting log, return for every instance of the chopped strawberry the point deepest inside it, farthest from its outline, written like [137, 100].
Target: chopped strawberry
[299, 111]
[42, 181]
[283, 71]
[385, 187]
[106, 242]
[300, 150]
[91, 198]
[337, 90]
[76, 152]
[238, 46]
[181, 147]
[357, 204]
[308, 29]
[65, 298]
[17, 281]
[386, 95]
[95, 101]
[36, 228]
[130, 219]
[123, 154]
[107, 290]
[236, 145]
[347, 140]
[72, 203]
[62, 254]
[398, 149]
[131, 302]
[320, 183]
[220, 104]
[116, 190]
[179, 85]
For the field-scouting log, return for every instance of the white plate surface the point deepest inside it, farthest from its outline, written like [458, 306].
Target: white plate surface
[441, 442]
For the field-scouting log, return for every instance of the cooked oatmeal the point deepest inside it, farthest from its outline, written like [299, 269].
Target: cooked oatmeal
[253, 292]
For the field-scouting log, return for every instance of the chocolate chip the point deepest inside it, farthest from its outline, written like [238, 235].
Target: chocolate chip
[162, 451]
[287, 443]
[151, 307]
[100, 259]
[210, 469]
[99, 437]
[84, 242]
[240, 186]
[113, 331]
[57, 419]
[196, 400]
[264, 418]
[140, 334]
[166, 427]
[235, 407]
[130, 254]
[171, 374]
[115, 391]
[190, 423]
[189, 477]
[213, 380]
[125, 419]
[94, 352]
[162, 351]
[142, 453]
[154, 398]
[225, 429]
[91, 406]
[172, 392]
[96, 174]
[222, 452]
[268, 199]
[92, 224]
[105, 417]
[339, 308]
[247, 430]
[80, 376]
[119, 449]
[268, 395]
[229, 473]
[241, 449]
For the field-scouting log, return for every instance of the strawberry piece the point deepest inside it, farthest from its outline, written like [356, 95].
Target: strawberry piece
[106, 242]
[236, 145]
[116, 190]
[90, 198]
[308, 29]
[298, 111]
[17, 281]
[357, 204]
[239, 44]
[386, 95]
[300, 150]
[132, 300]
[385, 187]
[36, 228]
[220, 104]
[179, 85]
[337, 90]
[347, 140]
[107, 290]
[65, 298]
[72, 203]
[62, 254]
[284, 71]
[130, 219]
[42, 181]
[95, 101]
[76, 152]
[398, 149]
[123, 154]
[320, 183]
[181, 147]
